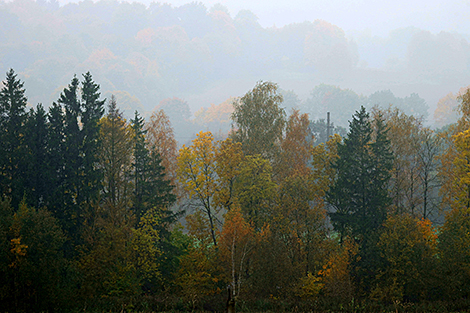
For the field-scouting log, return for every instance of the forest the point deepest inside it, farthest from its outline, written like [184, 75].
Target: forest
[144, 54]
[101, 213]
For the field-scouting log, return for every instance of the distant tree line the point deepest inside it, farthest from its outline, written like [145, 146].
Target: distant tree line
[144, 54]
[101, 213]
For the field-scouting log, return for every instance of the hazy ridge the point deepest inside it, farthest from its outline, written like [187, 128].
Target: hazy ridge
[145, 54]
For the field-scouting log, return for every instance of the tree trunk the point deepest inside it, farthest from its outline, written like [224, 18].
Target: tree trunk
[230, 301]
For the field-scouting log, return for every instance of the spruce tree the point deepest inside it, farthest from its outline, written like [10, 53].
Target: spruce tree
[140, 164]
[352, 191]
[151, 189]
[71, 210]
[359, 194]
[115, 157]
[38, 166]
[81, 175]
[381, 172]
[92, 111]
[56, 160]
[153, 194]
[13, 164]
[73, 141]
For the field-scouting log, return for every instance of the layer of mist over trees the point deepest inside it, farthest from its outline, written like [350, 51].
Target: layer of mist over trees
[199, 57]
[102, 213]
[160, 181]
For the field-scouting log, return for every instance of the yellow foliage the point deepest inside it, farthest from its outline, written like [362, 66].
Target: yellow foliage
[428, 232]
[145, 245]
[335, 274]
[115, 157]
[229, 158]
[405, 134]
[454, 251]
[145, 36]
[446, 110]
[197, 174]
[108, 260]
[409, 247]
[198, 274]
[298, 222]
[255, 189]
[462, 169]
[198, 227]
[18, 250]
[196, 167]
[323, 173]
[309, 287]
[215, 114]
[453, 172]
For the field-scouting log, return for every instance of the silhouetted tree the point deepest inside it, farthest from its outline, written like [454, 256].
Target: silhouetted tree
[13, 165]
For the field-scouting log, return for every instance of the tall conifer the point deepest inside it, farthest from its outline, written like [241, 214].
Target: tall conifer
[92, 111]
[360, 194]
[38, 164]
[151, 189]
[56, 160]
[115, 157]
[13, 165]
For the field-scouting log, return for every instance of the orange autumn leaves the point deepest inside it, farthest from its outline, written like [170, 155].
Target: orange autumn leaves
[263, 201]
[268, 215]
[237, 241]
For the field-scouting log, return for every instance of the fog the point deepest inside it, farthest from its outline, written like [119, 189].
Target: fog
[410, 53]
[374, 17]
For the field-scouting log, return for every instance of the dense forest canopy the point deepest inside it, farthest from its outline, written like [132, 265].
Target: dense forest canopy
[104, 213]
[149, 161]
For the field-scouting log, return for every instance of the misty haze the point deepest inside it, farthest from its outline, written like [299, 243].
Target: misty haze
[254, 156]
[206, 54]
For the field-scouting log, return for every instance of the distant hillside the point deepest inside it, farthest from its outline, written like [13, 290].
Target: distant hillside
[145, 54]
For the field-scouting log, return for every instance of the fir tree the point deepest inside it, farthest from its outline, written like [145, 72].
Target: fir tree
[72, 143]
[93, 110]
[56, 159]
[13, 164]
[151, 189]
[140, 164]
[359, 193]
[39, 173]
[152, 193]
[115, 157]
